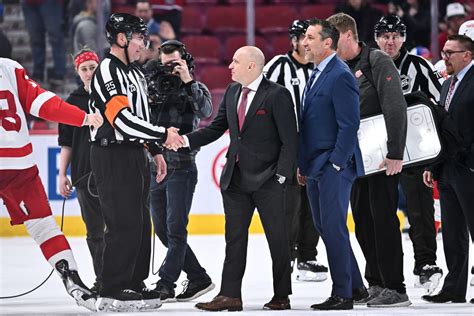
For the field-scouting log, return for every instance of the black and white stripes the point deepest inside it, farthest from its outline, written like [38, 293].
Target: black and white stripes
[120, 93]
[418, 74]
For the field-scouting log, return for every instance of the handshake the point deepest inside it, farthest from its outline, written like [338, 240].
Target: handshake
[174, 141]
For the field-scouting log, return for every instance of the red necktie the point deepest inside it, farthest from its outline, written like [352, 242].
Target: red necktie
[449, 97]
[242, 107]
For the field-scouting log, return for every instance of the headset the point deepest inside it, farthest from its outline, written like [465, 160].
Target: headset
[173, 45]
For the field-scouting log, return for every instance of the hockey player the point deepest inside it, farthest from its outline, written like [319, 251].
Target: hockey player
[416, 74]
[20, 185]
[293, 71]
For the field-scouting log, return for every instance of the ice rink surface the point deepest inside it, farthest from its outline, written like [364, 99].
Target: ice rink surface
[22, 267]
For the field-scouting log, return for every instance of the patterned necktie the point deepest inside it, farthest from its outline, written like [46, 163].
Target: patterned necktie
[449, 97]
[243, 107]
[308, 86]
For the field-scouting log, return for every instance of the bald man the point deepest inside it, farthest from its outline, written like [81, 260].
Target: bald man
[260, 161]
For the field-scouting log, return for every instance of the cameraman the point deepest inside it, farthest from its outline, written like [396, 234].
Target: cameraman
[180, 103]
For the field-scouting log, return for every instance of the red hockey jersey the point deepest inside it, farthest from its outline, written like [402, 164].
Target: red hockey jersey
[20, 94]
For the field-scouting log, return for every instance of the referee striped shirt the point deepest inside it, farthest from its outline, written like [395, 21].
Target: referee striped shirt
[120, 93]
[288, 72]
[418, 74]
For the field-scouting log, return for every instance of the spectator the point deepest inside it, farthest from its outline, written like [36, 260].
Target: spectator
[84, 28]
[455, 16]
[46, 17]
[6, 47]
[416, 16]
[365, 16]
[163, 30]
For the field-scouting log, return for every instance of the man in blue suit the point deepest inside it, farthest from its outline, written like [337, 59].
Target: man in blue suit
[329, 157]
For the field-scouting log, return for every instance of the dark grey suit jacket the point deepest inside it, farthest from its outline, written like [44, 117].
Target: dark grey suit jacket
[461, 111]
[267, 143]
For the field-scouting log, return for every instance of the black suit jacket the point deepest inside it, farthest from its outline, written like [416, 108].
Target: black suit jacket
[461, 111]
[267, 143]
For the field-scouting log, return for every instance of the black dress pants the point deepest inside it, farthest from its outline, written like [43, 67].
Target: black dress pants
[303, 236]
[123, 182]
[239, 206]
[456, 187]
[374, 203]
[420, 212]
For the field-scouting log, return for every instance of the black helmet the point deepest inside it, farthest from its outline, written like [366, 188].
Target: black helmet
[124, 23]
[298, 28]
[390, 23]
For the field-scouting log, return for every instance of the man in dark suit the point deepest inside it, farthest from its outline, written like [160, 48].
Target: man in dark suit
[329, 157]
[262, 154]
[456, 176]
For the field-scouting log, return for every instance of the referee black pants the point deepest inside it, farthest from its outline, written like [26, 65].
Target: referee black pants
[420, 212]
[123, 183]
[374, 203]
[303, 235]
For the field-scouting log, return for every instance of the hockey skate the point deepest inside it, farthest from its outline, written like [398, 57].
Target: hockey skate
[311, 271]
[150, 298]
[430, 275]
[126, 301]
[74, 286]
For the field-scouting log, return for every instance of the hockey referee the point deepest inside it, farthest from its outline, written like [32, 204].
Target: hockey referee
[120, 167]
[416, 74]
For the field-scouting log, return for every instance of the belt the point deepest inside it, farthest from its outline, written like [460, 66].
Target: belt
[104, 142]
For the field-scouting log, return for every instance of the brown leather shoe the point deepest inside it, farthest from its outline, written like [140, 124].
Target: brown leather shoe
[278, 303]
[221, 303]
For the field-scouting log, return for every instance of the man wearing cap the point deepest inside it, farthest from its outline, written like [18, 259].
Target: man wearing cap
[455, 16]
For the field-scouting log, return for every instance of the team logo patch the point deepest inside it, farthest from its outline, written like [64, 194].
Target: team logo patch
[406, 83]
[389, 78]
[295, 81]
[109, 86]
[132, 87]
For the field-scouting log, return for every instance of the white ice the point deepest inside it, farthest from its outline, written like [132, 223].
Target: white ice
[22, 267]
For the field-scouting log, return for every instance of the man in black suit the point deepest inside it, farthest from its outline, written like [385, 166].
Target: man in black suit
[262, 155]
[456, 176]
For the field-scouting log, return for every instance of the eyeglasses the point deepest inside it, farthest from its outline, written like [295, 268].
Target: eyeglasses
[447, 53]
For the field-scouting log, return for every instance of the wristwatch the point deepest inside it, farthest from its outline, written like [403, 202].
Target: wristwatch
[281, 179]
[336, 167]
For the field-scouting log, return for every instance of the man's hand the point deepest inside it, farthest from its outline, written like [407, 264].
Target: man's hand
[301, 179]
[428, 179]
[393, 166]
[161, 167]
[65, 186]
[166, 30]
[174, 141]
[181, 69]
[94, 119]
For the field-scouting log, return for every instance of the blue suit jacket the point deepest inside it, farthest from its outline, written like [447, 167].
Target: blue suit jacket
[329, 122]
